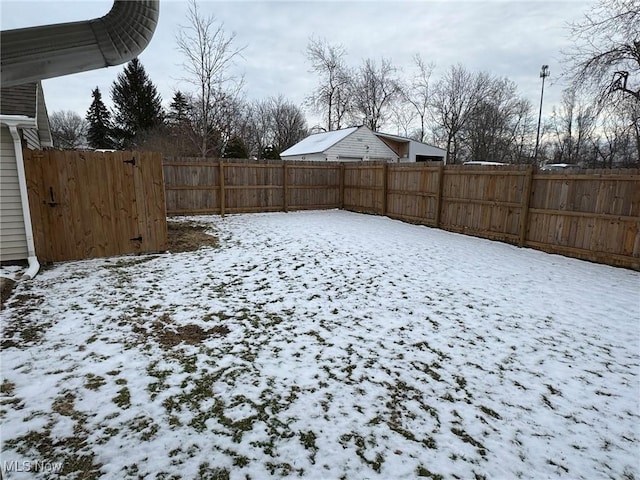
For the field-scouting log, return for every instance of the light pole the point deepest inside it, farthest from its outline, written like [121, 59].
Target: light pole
[544, 73]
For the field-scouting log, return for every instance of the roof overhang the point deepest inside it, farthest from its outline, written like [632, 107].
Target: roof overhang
[398, 139]
[18, 121]
[395, 138]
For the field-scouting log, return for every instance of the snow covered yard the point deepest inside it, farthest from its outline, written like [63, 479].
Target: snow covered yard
[325, 345]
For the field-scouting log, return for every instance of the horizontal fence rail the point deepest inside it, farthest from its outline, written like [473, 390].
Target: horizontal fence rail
[593, 215]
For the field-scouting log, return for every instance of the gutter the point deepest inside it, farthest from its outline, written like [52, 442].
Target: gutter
[36, 53]
[13, 122]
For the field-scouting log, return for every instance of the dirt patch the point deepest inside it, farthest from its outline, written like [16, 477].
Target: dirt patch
[189, 236]
[6, 289]
[191, 334]
[167, 334]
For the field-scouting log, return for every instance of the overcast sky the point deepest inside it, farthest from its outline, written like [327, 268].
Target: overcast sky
[505, 38]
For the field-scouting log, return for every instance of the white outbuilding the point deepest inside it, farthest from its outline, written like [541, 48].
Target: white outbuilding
[357, 144]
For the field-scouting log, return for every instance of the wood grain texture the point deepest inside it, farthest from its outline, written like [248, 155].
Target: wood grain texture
[95, 204]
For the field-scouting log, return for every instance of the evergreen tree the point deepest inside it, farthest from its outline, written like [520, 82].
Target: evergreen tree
[99, 132]
[270, 153]
[179, 109]
[179, 120]
[236, 149]
[138, 106]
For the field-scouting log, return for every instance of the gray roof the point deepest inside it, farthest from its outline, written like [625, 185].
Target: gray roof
[19, 100]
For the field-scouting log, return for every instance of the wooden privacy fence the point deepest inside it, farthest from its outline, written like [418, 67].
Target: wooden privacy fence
[596, 217]
[214, 187]
[95, 204]
[593, 215]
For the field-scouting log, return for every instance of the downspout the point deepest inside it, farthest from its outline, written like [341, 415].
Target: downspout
[34, 265]
[36, 53]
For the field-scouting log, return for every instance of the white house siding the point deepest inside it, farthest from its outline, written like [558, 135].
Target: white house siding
[13, 239]
[354, 148]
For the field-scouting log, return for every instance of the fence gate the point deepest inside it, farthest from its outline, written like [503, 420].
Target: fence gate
[95, 204]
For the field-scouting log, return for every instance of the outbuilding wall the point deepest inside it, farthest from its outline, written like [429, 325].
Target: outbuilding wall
[417, 148]
[360, 145]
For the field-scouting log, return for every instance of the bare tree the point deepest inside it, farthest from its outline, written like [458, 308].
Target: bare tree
[498, 125]
[417, 94]
[376, 88]
[332, 96]
[209, 56]
[403, 117]
[225, 112]
[632, 111]
[243, 129]
[258, 127]
[288, 123]
[68, 129]
[273, 123]
[573, 124]
[523, 131]
[605, 57]
[618, 135]
[455, 98]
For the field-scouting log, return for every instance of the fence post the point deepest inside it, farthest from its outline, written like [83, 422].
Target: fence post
[385, 171]
[525, 202]
[285, 206]
[221, 188]
[341, 186]
[439, 194]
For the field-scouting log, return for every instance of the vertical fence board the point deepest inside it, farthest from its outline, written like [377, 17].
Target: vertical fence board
[222, 193]
[33, 163]
[285, 193]
[524, 207]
